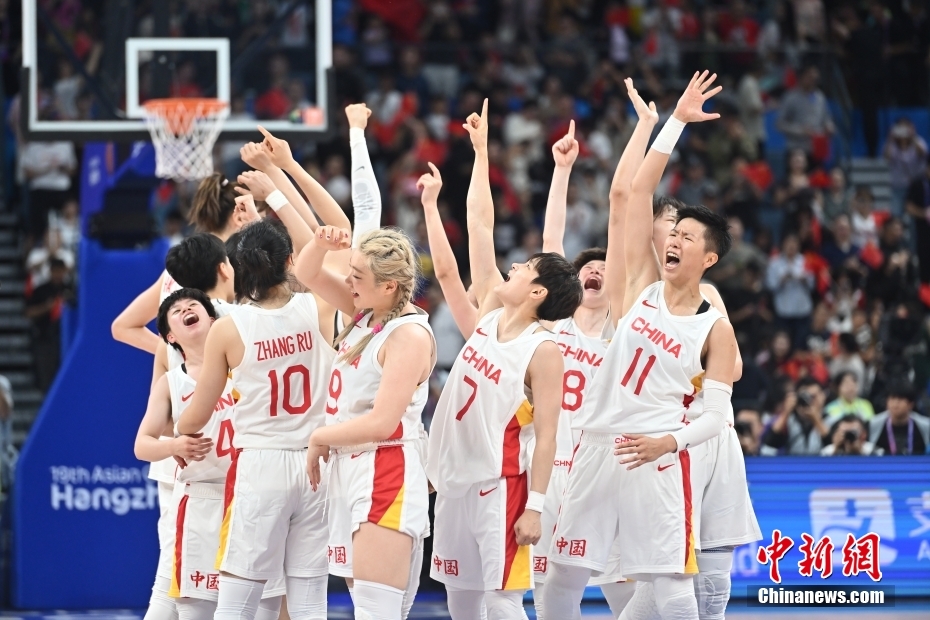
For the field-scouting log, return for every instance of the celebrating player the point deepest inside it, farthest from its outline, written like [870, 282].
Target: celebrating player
[669, 336]
[487, 512]
[377, 390]
[279, 363]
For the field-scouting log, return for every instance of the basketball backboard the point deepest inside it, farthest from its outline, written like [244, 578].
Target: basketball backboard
[86, 74]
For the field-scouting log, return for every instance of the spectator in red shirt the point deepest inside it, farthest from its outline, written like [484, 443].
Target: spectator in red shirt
[275, 103]
[737, 29]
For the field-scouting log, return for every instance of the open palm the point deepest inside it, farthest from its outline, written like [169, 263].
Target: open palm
[689, 108]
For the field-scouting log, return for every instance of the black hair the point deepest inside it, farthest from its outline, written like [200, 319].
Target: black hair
[564, 290]
[184, 293]
[586, 256]
[261, 259]
[57, 263]
[193, 263]
[843, 375]
[848, 341]
[903, 389]
[804, 382]
[661, 204]
[849, 417]
[716, 230]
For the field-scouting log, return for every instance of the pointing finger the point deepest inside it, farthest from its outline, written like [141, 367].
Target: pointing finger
[265, 132]
[434, 169]
[484, 109]
[571, 129]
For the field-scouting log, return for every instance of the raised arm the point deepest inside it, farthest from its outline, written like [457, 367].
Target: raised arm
[565, 151]
[221, 340]
[149, 447]
[445, 266]
[130, 326]
[325, 205]
[480, 204]
[620, 187]
[641, 269]
[309, 268]
[366, 197]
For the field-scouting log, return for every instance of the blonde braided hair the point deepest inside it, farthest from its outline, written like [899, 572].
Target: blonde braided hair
[390, 256]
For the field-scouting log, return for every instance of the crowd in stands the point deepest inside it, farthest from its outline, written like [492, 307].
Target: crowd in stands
[827, 288]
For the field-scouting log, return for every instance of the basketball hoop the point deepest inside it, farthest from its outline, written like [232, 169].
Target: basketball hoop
[184, 131]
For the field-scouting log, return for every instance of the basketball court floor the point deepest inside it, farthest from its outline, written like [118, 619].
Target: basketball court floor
[435, 609]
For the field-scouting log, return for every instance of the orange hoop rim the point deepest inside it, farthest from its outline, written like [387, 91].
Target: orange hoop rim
[190, 106]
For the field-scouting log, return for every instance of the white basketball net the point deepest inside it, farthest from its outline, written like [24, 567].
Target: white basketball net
[184, 132]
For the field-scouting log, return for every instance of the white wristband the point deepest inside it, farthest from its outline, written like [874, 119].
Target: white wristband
[536, 501]
[671, 131]
[276, 200]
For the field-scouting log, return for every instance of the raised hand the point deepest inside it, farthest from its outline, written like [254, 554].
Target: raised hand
[477, 128]
[277, 150]
[430, 184]
[255, 183]
[333, 239]
[643, 111]
[245, 211]
[692, 100]
[358, 114]
[565, 151]
[254, 155]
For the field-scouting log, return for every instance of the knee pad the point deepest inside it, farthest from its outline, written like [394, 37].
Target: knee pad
[306, 597]
[269, 608]
[712, 583]
[195, 609]
[675, 598]
[239, 598]
[377, 601]
[618, 595]
[466, 604]
[642, 605]
[563, 590]
[161, 606]
[505, 605]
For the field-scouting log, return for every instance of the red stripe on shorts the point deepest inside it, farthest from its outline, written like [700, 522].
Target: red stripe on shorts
[517, 494]
[685, 459]
[511, 462]
[387, 482]
[179, 540]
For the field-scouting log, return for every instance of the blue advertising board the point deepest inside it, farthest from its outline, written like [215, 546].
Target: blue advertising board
[85, 512]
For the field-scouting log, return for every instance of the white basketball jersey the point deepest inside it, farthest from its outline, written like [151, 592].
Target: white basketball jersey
[219, 428]
[647, 379]
[582, 356]
[283, 375]
[168, 286]
[483, 420]
[175, 358]
[354, 384]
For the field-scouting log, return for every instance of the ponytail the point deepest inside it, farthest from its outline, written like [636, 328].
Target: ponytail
[213, 204]
[261, 259]
[390, 256]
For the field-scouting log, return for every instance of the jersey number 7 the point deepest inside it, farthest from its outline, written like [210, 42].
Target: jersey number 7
[471, 399]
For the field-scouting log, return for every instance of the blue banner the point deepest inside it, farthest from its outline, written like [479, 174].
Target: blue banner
[85, 513]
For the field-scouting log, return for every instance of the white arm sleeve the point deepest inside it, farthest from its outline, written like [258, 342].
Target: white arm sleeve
[366, 198]
[710, 423]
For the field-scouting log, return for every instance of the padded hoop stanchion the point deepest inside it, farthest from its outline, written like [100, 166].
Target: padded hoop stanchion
[184, 131]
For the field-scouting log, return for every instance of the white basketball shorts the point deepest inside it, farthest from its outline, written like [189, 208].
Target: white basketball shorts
[727, 517]
[649, 513]
[386, 486]
[474, 543]
[272, 518]
[198, 507]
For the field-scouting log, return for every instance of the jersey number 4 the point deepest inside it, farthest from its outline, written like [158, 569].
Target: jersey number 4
[287, 401]
[632, 369]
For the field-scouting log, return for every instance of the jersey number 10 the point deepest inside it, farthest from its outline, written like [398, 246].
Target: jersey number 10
[287, 401]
